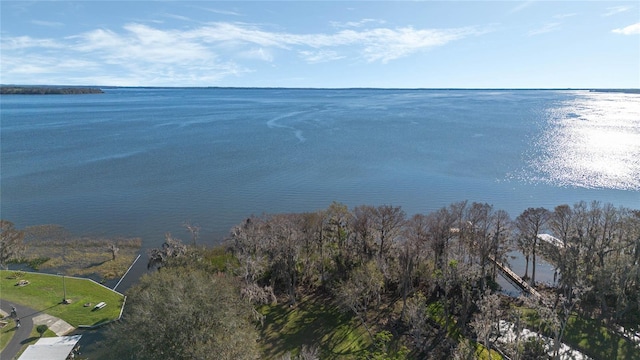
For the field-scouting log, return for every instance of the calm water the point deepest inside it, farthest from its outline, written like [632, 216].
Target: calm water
[140, 162]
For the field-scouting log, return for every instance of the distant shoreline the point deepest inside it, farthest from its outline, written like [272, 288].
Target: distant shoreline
[626, 91]
[80, 89]
[48, 90]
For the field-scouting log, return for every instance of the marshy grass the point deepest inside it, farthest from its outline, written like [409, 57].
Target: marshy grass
[52, 249]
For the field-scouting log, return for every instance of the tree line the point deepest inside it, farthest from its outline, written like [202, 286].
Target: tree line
[439, 267]
[47, 90]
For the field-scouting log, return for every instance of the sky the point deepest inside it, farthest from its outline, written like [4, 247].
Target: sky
[322, 44]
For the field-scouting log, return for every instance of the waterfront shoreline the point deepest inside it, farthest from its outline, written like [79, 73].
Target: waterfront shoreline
[48, 90]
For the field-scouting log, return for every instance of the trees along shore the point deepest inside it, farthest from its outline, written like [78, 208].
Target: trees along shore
[420, 286]
[48, 90]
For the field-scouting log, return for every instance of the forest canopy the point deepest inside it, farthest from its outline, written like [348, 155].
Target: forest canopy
[418, 287]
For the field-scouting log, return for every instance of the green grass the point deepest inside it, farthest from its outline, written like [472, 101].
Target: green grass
[436, 312]
[45, 292]
[311, 322]
[597, 341]
[337, 334]
[6, 333]
[591, 338]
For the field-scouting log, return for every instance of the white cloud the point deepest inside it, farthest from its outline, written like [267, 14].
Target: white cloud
[261, 54]
[564, 16]
[219, 11]
[355, 24]
[547, 28]
[523, 5]
[27, 67]
[143, 43]
[140, 54]
[47, 23]
[616, 10]
[629, 30]
[315, 57]
[25, 42]
[390, 44]
[177, 17]
[232, 33]
[382, 44]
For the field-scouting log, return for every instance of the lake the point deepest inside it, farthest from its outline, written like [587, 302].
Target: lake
[142, 161]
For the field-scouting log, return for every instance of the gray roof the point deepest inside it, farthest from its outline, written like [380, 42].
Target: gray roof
[53, 348]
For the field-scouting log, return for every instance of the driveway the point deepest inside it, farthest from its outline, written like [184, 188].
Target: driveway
[22, 333]
[28, 317]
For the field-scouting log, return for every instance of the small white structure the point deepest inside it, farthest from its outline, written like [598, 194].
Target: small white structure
[100, 305]
[52, 348]
[551, 240]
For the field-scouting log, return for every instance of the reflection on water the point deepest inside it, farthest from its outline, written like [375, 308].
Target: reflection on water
[517, 263]
[140, 162]
[593, 141]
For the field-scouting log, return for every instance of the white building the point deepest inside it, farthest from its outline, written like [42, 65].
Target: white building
[51, 348]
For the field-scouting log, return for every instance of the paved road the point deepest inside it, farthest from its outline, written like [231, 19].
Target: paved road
[22, 333]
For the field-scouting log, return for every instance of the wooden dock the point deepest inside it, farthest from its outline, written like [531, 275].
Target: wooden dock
[515, 279]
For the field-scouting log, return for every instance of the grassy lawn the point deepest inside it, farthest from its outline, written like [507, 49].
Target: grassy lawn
[6, 333]
[337, 334]
[45, 292]
[597, 341]
[312, 321]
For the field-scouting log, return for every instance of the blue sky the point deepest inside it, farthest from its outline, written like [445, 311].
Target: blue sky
[337, 44]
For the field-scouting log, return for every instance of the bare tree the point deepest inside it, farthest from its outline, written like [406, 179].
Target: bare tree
[606, 244]
[480, 221]
[313, 237]
[249, 248]
[388, 220]
[502, 227]
[113, 248]
[416, 317]
[194, 230]
[530, 223]
[415, 240]
[362, 288]
[561, 223]
[340, 240]
[284, 247]
[524, 244]
[363, 227]
[444, 225]
[171, 248]
[465, 351]
[306, 353]
[486, 322]
[627, 266]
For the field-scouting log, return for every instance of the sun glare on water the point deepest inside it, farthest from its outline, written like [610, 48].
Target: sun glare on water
[592, 141]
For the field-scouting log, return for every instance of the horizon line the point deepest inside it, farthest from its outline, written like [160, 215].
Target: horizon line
[319, 88]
